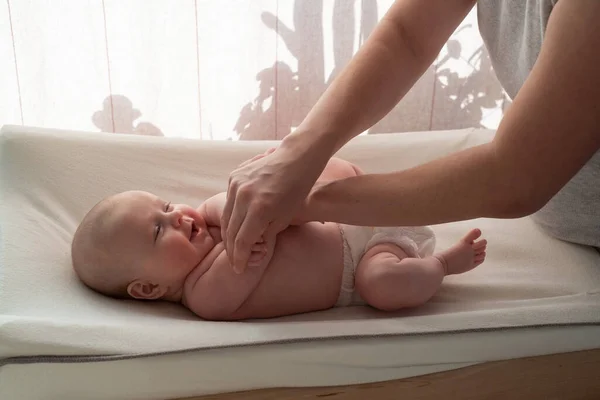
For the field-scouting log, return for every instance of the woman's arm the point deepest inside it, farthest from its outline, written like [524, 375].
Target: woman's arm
[267, 193]
[551, 130]
[401, 48]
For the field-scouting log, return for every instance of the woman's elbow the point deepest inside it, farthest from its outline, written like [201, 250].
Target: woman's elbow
[518, 208]
[519, 203]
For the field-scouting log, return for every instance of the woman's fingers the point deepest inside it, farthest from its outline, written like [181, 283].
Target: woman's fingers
[242, 239]
[257, 157]
[227, 210]
[266, 193]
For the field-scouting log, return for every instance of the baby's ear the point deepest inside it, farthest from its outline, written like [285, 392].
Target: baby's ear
[145, 290]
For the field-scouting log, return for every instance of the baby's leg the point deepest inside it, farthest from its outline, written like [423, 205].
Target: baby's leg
[337, 169]
[387, 279]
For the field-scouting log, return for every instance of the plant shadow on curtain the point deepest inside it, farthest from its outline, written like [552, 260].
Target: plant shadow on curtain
[118, 115]
[457, 100]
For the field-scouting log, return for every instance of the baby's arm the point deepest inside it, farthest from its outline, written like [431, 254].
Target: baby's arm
[212, 209]
[219, 293]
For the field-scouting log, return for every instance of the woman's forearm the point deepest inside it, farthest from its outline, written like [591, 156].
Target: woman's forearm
[397, 53]
[462, 186]
[544, 139]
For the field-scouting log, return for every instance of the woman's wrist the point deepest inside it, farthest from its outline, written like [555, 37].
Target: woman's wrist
[348, 201]
[315, 144]
[318, 204]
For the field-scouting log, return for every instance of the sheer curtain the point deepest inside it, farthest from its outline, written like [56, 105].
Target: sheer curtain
[216, 69]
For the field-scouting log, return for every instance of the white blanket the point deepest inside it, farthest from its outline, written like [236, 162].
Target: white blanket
[50, 178]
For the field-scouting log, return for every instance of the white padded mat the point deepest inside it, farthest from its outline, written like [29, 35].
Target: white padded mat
[50, 178]
[298, 364]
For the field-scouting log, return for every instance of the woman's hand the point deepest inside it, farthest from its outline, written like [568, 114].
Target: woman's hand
[257, 157]
[264, 194]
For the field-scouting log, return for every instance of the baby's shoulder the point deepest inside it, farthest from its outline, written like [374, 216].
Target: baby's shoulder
[203, 291]
[214, 259]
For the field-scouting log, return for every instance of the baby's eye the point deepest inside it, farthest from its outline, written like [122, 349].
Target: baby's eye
[158, 227]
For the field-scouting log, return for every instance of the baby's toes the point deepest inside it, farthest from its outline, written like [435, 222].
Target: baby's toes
[480, 244]
[473, 235]
[479, 258]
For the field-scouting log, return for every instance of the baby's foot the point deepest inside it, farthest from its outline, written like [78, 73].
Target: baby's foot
[465, 255]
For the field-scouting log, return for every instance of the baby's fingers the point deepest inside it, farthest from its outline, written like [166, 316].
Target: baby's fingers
[259, 247]
[257, 255]
[256, 258]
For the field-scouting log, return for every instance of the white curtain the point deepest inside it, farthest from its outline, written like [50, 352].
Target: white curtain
[215, 69]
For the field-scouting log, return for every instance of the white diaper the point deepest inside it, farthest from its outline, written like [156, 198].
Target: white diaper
[417, 241]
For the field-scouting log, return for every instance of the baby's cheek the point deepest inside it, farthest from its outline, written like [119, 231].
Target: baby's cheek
[176, 251]
[186, 255]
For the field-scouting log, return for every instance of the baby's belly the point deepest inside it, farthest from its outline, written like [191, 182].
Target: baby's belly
[304, 274]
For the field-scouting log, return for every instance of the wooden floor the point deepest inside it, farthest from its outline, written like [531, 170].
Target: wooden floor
[568, 376]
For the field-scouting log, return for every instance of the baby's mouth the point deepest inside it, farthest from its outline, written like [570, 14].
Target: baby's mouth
[194, 231]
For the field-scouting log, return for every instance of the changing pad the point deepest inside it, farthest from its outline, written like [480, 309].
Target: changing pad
[50, 178]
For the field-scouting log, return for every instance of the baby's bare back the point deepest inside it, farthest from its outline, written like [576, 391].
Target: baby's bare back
[304, 274]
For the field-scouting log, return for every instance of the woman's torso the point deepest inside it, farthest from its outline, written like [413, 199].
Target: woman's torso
[513, 31]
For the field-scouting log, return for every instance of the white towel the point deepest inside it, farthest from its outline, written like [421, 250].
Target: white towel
[49, 179]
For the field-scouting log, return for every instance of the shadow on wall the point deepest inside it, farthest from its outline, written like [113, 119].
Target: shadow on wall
[119, 116]
[286, 96]
[464, 99]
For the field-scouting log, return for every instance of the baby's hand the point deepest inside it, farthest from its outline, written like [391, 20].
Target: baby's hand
[259, 251]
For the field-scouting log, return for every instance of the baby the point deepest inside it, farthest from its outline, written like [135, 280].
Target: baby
[134, 245]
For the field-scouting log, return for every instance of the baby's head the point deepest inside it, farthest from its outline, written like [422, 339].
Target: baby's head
[135, 245]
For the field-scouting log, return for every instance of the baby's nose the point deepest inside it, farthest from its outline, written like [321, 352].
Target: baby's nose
[176, 218]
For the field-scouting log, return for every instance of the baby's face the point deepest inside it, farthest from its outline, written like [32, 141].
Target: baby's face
[167, 241]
